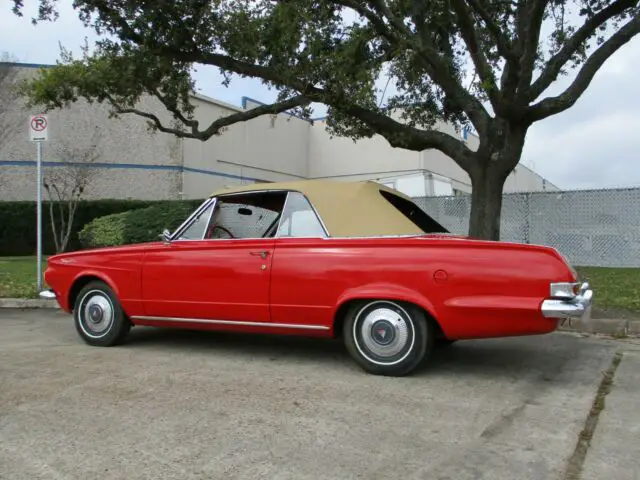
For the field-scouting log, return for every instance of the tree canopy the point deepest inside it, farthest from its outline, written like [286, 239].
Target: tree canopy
[480, 63]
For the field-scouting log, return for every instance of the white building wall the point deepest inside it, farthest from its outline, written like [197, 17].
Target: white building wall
[523, 179]
[135, 163]
[262, 149]
[344, 158]
[375, 159]
[130, 160]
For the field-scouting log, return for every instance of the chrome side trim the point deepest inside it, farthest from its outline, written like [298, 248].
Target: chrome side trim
[184, 225]
[249, 192]
[232, 322]
[214, 199]
[315, 210]
[213, 209]
[406, 235]
[281, 219]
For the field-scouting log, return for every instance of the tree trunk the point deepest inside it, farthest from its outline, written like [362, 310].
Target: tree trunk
[498, 155]
[486, 205]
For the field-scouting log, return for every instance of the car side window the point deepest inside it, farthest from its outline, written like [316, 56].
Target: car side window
[299, 219]
[251, 215]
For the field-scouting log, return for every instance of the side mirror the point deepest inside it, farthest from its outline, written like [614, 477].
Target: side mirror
[166, 235]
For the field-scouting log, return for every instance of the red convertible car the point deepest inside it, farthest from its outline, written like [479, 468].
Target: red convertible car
[350, 259]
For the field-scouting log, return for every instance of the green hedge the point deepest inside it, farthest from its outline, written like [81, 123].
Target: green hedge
[18, 222]
[135, 226]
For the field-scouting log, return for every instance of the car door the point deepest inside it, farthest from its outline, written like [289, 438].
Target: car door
[303, 279]
[217, 266]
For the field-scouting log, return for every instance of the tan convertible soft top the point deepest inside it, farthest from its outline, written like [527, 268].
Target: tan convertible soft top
[348, 208]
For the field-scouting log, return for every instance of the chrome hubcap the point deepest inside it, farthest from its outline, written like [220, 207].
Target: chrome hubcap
[96, 313]
[383, 333]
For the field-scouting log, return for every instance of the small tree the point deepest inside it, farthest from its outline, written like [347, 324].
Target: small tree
[65, 186]
[488, 64]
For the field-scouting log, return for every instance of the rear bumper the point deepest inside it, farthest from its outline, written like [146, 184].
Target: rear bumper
[578, 307]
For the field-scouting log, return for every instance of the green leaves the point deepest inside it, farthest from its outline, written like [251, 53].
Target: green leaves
[135, 226]
[455, 60]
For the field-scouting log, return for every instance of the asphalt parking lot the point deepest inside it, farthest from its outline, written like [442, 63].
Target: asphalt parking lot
[176, 404]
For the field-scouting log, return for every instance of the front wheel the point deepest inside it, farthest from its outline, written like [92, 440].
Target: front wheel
[98, 316]
[387, 338]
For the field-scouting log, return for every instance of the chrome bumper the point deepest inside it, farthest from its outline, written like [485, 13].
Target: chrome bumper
[578, 307]
[47, 294]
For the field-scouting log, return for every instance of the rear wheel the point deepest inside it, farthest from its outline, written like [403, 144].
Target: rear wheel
[98, 316]
[387, 338]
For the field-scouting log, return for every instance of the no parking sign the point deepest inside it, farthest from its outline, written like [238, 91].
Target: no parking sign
[39, 133]
[39, 128]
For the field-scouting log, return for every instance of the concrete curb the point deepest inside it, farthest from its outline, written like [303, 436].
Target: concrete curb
[615, 327]
[28, 303]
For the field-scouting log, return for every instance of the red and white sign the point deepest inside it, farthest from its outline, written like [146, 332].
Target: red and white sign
[39, 128]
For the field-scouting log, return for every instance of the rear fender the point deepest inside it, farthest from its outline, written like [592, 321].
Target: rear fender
[386, 291]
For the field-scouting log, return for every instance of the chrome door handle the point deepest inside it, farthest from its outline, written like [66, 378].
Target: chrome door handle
[263, 254]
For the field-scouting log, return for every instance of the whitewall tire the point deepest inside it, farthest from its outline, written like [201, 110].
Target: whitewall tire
[98, 316]
[387, 337]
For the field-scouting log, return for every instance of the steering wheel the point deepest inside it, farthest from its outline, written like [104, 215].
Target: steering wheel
[223, 229]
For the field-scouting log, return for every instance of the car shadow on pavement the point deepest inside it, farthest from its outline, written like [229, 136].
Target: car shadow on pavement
[234, 343]
[504, 357]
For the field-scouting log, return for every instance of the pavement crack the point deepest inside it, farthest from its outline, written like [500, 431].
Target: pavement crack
[503, 423]
[576, 461]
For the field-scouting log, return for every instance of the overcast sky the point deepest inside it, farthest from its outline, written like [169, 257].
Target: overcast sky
[595, 144]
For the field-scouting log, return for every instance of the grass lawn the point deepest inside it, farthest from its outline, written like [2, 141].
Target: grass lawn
[617, 290]
[18, 277]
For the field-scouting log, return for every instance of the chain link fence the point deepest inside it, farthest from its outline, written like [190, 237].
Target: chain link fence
[590, 227]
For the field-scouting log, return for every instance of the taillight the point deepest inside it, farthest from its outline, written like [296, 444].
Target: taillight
[564, 290]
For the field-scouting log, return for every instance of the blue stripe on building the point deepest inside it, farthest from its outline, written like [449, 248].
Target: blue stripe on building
[27, 65]
[125, 166]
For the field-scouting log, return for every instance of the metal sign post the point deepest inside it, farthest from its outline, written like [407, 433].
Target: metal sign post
[38, 131]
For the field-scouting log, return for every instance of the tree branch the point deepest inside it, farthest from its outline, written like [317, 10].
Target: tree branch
[434, 65]
[173, 108]
[441, 74]
[477, 113]
[401, 37]
[553, 105]
[376, 21]
[52, 217]
[396, 133]
[217, 125]
[529, 24]
[401, 135]
[224, 62]
[503, 43]
[555, 64]
[383, 9]
[468, 32]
